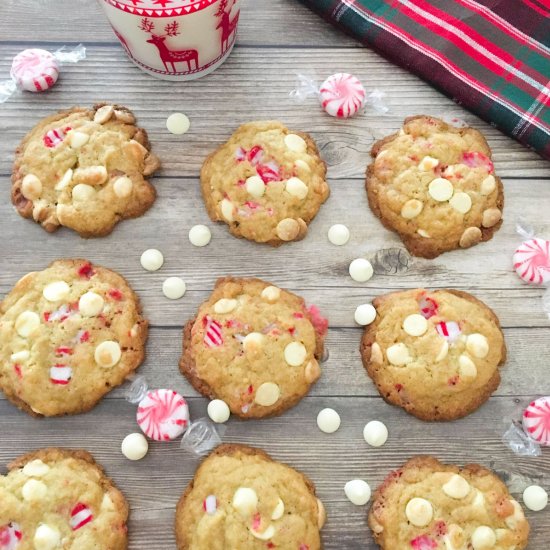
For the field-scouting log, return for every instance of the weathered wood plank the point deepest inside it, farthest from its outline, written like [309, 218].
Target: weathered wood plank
[154, 485]
[256, 84]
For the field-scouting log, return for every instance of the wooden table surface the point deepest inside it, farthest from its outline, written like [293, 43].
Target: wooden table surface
[277, 38]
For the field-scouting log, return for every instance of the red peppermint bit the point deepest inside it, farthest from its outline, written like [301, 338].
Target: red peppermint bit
[298, 315]
[86, 271]
[47, 316]
[270, 545]
[85, 336]
[17, 369]
[256, 521]
[115, 294]
[398, 387]
[267, 173]
[414, 158]
[241, 183]
[254, 155]
[423, 542]
[320, 323]
[252, 205]
[63, 350]
[473, 159]
[230, 323]
[270, 211]
[292, 330]
[453, 381]
[73, 306]
[303, 547]
[440, 528]
[428, 306]
[250, 389]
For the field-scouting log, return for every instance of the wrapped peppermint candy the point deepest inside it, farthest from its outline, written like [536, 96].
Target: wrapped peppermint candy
[37, 70]
[163, 415]
[341, 95]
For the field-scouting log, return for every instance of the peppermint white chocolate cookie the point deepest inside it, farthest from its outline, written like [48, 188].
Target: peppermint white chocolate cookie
[84, 169]
[254, 346]
[429, 505]
[68, 335]
[241, 498]
[436, 354]
[266, 183]
[435, 186]
[58, 498]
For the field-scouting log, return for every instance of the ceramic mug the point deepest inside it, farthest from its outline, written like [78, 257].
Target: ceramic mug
[175, 39]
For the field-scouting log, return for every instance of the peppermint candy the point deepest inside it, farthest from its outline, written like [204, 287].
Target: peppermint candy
[54, 137]
[163, 415]
[10, 535]
[213, 332]
[428, 306]
[536, 420]
[80, 516]
[342, 95]
[473, 159]
[35, 70]
[210, 505]
[61, 375]
[449, 330]
[423, 542]
[532, 261]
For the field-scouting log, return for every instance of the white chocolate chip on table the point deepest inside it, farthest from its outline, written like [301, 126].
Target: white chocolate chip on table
[357, 491]
[200, 235]
[535, 498]
[178, 123]
[338, 234]
[328, 420]
[174, 288]
[365, 314]
[152, 259]
[134, 446]
[218, 411]
[375, 433]
[361, 270]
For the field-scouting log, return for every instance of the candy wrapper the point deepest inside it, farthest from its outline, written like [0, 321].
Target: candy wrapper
[163, 415]
[37, 70]
[341, 95]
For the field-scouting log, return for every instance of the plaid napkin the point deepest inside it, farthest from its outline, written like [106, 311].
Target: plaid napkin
[491, 56]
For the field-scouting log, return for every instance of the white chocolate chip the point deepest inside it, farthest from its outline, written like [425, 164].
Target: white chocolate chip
[278, 511]
[440, 189]
[376, 354]
[200, 235]
[428, 163]
[295, 143]
[46, 538]
[461, 202]
[107, 354]
[123, 187]
[65, 180]
[26, 323]
[302, 165]
[411, 209]
[174, 288]
[107, 503]
[466, 367]
[483, 538]
[245, 501]
[36, 468]
[77, 139]
[338, 234]
[134, 446]
[34, 490]
[125, 116]
[288, 229]
[470, 237]
[488, 185]
[56, 291]
[218, 411]
[398, 355]
[267, 394]
[271, 294]
[295, 354]
[152, 259]
[443, 351]
[297, 188]
[535, 498]
[415, 325]
[491, 217]
[225, 305]
[92, 175]
[365, 314]
[361, 270]
[253, 342]
[20, 356]
[423, 233]
[457, 487]
[321, 514]
[477, 345]
[515, 518]
[357, 491]
[454, 539]
[228, 209]
[269, 533]
[90, 304]
[103, 114]
[178, 123]
[328, 420]
[83, 192]
[312, 371]
[375, 433]
[255, 186]
[31, 187]
[419, 511]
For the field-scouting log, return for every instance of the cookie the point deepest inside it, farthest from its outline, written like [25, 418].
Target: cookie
[57, 498]
[266, 183]
[84, 169]
[434, 353]
[435, 186]
[241, 498]
[68, 335]
[428, 505]
[253, 345]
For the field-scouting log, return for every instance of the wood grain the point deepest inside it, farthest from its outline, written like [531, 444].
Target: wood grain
[277, 39]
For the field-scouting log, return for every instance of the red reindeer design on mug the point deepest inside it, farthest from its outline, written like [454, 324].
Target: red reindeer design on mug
[226, 24]
[168, 56]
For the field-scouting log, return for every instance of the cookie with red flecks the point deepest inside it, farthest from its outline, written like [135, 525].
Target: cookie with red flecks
[84, 169]
[68, 335]
[427, 505]
[253, 345]
[435, 186]
[241, 498]
[437, 354]
[266, 183]
[58, 498]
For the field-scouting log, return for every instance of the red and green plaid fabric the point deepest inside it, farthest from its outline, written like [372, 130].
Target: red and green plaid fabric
[491, 56]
